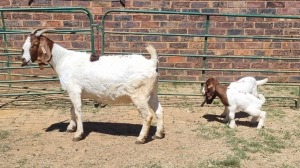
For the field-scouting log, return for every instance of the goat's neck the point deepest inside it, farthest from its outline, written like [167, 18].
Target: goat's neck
[58, 53]
[221, 93]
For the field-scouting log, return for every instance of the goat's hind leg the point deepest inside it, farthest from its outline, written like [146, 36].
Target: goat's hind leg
[257, 114]
[156, 107]
[141, 104]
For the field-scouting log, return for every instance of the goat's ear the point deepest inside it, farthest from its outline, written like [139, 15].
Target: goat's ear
[44, 54]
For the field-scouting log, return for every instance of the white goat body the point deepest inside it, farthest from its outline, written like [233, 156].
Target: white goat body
[111, 79]
[245, 102]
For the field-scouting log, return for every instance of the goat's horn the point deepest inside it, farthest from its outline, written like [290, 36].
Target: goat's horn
[40, 32]
[35, 30]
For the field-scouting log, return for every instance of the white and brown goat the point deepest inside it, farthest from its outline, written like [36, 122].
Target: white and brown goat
[110, 79]
[234, 99]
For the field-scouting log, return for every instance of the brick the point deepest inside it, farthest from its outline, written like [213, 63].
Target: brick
[199, 4]
[248, 11]
[292, 4]
[259, 52]
[150, 24]
[178, 45]
[244, 25]
[151, 38]
[160, 17]
[141, 17]
[114, 38]
[283, 25]
[62, 17]
[110, 24]
[122, 18]
[42, 16]
[72, 23]
[9, 23]
[254, 32]
[234, 45]
[274, 32]
[225, 24]
[236, 4]
[5, 3]
[264, 25]
[210, 10]
[177, 18]
[80, 45]
[21, 16]
[235, 32]
[255, 4]
[183, 65]
[53, 23]
[141, 4]
[222, 65]
[176, 59]
[267, 11]
[260, 65]
[178, 31]
[161, 4]
[72, 37]
[220, 4]
[275, 4]
[180, 4]
[168, 25]
[295, 65]
[256, 45]
[240, 65]
[133, 38]
[32, 23]
[131, 24]
[81, 3]
[281, 52]
[187, 25]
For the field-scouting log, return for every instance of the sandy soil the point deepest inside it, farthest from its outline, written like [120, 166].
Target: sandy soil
[33, 134]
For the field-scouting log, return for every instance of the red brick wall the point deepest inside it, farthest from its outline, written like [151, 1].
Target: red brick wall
[179, 24]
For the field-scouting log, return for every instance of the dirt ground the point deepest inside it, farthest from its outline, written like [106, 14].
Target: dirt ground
[33, 134]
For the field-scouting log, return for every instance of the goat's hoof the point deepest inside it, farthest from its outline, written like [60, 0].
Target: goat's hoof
[71, 130]
[138, 142]
[261, 127]
[158, 137]
[75, 139]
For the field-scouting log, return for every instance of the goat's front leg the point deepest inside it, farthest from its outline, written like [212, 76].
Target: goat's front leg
[72, 126]
[225, 114]
[231, 115]
[76, 101]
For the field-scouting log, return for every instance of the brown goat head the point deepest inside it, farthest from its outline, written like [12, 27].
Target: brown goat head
[210, 90]
[39, 47]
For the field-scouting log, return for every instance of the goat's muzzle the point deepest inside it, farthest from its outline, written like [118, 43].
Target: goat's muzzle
[24, 62]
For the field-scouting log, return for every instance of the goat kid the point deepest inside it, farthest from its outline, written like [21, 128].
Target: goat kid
[111, 79]
[246, 84]
[234, 99]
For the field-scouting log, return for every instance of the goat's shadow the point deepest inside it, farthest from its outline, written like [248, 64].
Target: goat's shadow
[117, 129]
[219, 118]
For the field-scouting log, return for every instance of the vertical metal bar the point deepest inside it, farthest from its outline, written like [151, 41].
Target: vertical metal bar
[205, 48]
[103, 35]
[7, 64]
[298, 101]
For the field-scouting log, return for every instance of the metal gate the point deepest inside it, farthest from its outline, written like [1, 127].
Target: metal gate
[15, 83]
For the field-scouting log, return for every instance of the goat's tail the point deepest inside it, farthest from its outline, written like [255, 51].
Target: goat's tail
[262, 98]
[152, 52]
[261, 82]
